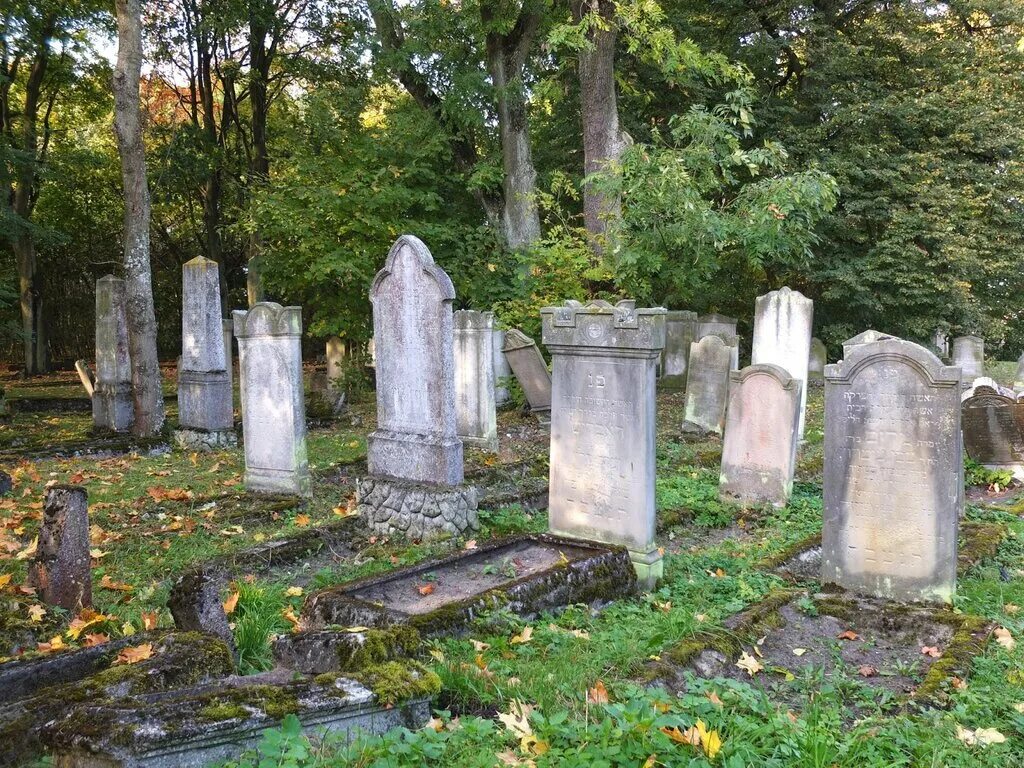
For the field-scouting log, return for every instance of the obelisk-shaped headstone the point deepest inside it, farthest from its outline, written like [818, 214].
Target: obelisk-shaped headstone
[782, 336]
[112, 399]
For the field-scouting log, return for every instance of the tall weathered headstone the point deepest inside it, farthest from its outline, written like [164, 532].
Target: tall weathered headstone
[1018, 379]
[816, 364]
[475, 409]
[414, 455]
[940, 340]
[335, 355]
[993, 427]
[273, 401]
[761, 435]
[206, 415]
[782, 336]
[603, 425]
[112, 398]
[707, 385]
[715, 325]
[680, 333]
[893, 482]
[502, 370]
[228, 328]
[527, 363]
[969, 354]
[61, 570]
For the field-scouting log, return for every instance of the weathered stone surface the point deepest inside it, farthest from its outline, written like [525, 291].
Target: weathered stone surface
[707, 385]
[61, 570]
[228, 330]
[782, 336]
[761, 435]
[993, 428]
[969, 354]
[715, 325]
[940, 341]
[1018, 379]
[865, 337]
[680, 333]
[527, 363]
[196, 603]
[112, 399]
[816, 364]
[335, 355]
[475, 407]
[273, 401]
[86, 376]
[525, 574]
[416, 510]
[603, 425]
[502, 370]
[416, 435]
[319, 651]
[893, 480]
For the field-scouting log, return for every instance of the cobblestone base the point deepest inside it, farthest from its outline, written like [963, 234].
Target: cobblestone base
[199, 440]
[414, 510]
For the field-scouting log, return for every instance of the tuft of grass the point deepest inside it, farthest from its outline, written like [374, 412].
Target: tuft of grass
[258, 617]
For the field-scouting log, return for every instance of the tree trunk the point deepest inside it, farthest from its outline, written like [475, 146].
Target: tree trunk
[603, 141]
[146, 384]
[259, 164]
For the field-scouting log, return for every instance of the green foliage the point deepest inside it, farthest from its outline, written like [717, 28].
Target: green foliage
[977, 474]
[283, 747]
[696, 492]
[257, 618]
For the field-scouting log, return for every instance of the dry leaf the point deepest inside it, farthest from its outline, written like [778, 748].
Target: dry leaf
[5, 579]
[517, 719]
[523, 637]
[1004, 638]
[931, 650]
[848, 635]
[302, 520]
[135, 654]
[479, 645]
[598, 694]
[150, 620]
[689, 736]
[435, 724]
[982, 737]
[1010, 609]
[799, 651]
[663, 607]
[118, 586]
[292, 619]
[293, 592]
[55, 644]
[867, 670]
[425, 589]
[96, 638]
[958, 684]
[36, 613]
[231, 603]
[471, 544]
[749, 664]
[713, 698]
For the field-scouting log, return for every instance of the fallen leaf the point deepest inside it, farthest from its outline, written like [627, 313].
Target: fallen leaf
[1010, 609]
[663, 607]
[231, 603]
[867, 670]
[958, 684]
[517, 719]
[598, 694]
[437, 655]
[471, 544]
[292, 619]
[135, 654]
[689, 736]
[302, 520]
[479, 645]
[36, 613]
[799, 651]
[96, 638]
[931, 650]
[5, 579]
[982, 737]
[848, 635]
[523, 637]
[749, 664]
[425, 589]
[293, 592]
[1004, 638]
[150, 620]
[118, 586]
[1019, 706]
[434, 724]
[55, 644]
[713, 698]
[85, 620]
[651, 761]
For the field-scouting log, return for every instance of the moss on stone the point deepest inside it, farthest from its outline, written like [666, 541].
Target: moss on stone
[969, 640]
[981, 540]
[380, 645]
[393, 681]
[218, 711]
[788, 553]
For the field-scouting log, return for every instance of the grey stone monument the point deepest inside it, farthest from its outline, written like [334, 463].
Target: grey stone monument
[993, 427]
[865, 337]
[603, 425]
[414, 456]
[475, 409]
[680, 333]
[527, 363]
[893, 482]
[273, 401]
[228, 329]
[816, 364]
[940, 340]
[62, 569]
[112, 398]
[1018, 379]
[502, 370]
[206, 415]
[335, 355]
[707, 385]
[761, 435]
[782, 336]
[715, 325]
[969, 354]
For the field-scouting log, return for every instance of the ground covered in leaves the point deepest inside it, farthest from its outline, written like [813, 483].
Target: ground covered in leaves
[581, 688]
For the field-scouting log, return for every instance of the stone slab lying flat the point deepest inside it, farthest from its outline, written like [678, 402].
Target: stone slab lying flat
[527, 574]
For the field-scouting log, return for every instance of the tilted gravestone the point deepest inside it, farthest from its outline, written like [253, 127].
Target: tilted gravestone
[680, 333]
[603, 425]
[273, 401]
[893, 480]
[707, 385]
[502, 370]
[992, 421]
[61, 570]
[527, 363]
[475, 408]
[414, 456]
[206, 415]
[816, 364]
[782, 336]
[969, 354]
[761, 435]
[112, 398]
[86, 376]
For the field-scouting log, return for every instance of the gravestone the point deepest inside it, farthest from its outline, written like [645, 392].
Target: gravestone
[761, 435]
[61, 570]
[206, 415]
[273, 401]
[707, 385]
[715, 325]
[603, 426]
[992, 421]
[414, 456]
[969, 354]
[816, 364]
[228, 329]
[502, 370]
[196, 603]
[680, 333]
[335, 355]
[865, 337]
[940, 340]
[782, 336]
[86, 376]
[1018, 379]
[893, 480]
[112, 398]
[475, 409]
[527, 363]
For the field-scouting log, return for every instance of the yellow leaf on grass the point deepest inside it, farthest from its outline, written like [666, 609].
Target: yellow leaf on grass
[5, 579]
[293, 591]
[36, 613]
[135, 654]
[523, 637]
[55, 644]
[598, 694]
[302, 520]
[517, 719]
[1004, 638]
[290, 617]
[86, 620]
[231, 603]
[749, 664]
[150, 620]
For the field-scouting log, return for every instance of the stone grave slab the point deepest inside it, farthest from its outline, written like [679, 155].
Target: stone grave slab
[475, 405]
[993, 431]
[969, 354]
[61, 570]
[527, 574]
[680, 333]
[816, 364]
[502, 370]
[782, 336]
[112, 406]
[715, 324]
[527, 363]
[707, 385]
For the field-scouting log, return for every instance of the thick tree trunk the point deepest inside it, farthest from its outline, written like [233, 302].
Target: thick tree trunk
[603, 141]
[146, 384]
[259, 164]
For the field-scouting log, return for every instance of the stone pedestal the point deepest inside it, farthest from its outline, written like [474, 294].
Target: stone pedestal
[761, 436]
[61, 570]
[416, 510]
[502, 370]
[782, 336]
[527, 363]
[940, 341]
[205, 410]
[992, 422]
[475, 409]
[112, 406]
[603, 426]
[707, 385]
[893, 480]
[969, 354]
[680, 333]
[273, 400]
